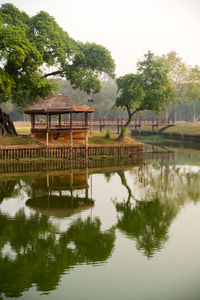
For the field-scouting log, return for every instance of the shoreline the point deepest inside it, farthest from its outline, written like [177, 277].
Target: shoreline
[188, 138]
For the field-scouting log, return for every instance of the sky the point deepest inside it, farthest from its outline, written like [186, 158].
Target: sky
[127, 28]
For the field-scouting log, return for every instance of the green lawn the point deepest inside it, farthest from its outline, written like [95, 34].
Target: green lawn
[95, 138]
[13, 141]
[99, 138]
[23, 130]
[182, 128]
[186, 128]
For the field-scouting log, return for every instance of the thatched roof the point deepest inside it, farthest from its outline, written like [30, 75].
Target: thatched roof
[57, 104]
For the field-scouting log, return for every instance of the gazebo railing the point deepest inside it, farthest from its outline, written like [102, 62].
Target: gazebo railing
[63, 125]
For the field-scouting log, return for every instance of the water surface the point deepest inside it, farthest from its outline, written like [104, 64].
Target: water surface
[129, 232]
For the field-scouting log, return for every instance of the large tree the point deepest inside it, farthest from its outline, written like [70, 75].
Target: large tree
[34, 48]
[148, 89]
[177, 75]
[184, 79]
[192, 89]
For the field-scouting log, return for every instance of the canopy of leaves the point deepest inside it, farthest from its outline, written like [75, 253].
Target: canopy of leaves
[177, 75]
[34, 48]
[193, 84]
[149, 89]
[184, 79]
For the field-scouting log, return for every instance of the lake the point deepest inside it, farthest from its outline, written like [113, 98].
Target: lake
[123, 231]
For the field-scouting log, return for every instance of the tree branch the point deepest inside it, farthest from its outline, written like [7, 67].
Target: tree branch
[58, 72]
[134, 112]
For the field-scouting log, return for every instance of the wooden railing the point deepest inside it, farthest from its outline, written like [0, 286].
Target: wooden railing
[135, 121]
[70, 152]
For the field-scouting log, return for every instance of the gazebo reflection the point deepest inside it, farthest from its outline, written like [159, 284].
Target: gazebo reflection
[60, 194]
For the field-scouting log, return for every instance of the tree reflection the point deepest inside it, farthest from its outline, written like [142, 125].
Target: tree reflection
[9, 189]
[124, 183]
[163, 190]
[147, 223]
[34, 251]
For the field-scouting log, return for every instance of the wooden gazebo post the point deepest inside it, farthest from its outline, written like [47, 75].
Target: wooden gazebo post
[47, 134]
[86, 181]
[70, 136]
[86, 134]
[33, 121]
[59, 120]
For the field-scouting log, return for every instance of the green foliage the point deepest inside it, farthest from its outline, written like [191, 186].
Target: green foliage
[156, 85]
[107, 134]
[193, 84]
[149, 89]
[177, 75]
[184, 79]
[177, 69]
[131, 91]
[29, 46]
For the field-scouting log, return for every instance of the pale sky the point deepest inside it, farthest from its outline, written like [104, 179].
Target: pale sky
[128, 28]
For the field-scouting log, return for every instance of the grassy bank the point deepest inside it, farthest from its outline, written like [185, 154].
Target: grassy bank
[15, 141]
[23, 130]
[94, 138]
[99, 138]
[188, 128]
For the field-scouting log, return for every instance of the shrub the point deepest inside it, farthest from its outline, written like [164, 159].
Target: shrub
[107, 134]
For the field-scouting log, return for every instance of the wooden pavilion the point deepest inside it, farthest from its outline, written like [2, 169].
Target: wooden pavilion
[59, 119]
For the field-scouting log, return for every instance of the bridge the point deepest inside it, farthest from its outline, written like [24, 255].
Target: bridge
[101, 124]
[136, 123]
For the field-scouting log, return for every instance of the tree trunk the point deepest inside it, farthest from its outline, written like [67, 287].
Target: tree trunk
[6, 126]
[124, 182]
[194, 112]
[123, 131]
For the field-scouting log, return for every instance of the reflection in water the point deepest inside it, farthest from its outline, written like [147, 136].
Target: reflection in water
[9, 189]
[59, 206]
[54, 195]
[33, 251]
[147, 223]
[163, 190]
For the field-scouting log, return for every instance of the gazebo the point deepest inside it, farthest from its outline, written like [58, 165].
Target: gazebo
[59, 119]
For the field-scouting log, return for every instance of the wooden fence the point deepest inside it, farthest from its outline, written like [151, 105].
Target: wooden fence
[70, 153]
[14, 168]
